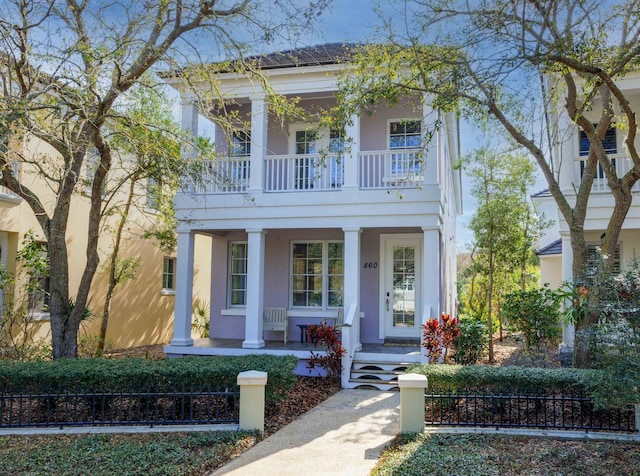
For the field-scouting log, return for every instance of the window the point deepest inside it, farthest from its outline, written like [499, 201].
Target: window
[317, 275]
[237, 274]
[336, 164]
[154, 193]
[610, 147]
[405, 135]
[240, 145]
[39, 286]
[169, 274]
[593, 262]
[609, 142]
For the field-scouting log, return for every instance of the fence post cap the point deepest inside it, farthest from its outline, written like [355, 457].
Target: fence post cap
[412, 381]
[252, 377]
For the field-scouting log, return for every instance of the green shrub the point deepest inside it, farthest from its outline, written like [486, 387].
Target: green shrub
[444, 378]
[471, 342]
[536, 313]
[131, 374]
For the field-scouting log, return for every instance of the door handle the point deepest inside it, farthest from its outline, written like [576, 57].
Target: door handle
[387, 304]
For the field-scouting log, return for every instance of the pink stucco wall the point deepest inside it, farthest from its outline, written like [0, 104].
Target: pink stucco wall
[276, 292]
[373, 127]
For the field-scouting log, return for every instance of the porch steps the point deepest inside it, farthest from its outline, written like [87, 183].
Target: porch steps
[380, 372]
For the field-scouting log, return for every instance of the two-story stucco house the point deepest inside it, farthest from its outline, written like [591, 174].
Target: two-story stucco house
[571, 153]
[318, 221]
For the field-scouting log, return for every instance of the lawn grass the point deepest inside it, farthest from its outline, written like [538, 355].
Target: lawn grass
[152, 454]
[484, 455]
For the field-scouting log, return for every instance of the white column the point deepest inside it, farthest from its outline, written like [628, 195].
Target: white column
[352, 157]
[184, 290]
[430, 129]
[255, 290]
[258, 142]
[568, 330]
[351, 295]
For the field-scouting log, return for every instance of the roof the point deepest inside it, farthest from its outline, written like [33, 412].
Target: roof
[329, 53]
[542, 193]
[553, 248]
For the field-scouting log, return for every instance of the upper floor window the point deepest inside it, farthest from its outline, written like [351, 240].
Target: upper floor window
[609, 142]
[317, 275]
[405, 134]
[154, 193]
[237, 274]
[305, 142]
[39, 281]
[240, 145]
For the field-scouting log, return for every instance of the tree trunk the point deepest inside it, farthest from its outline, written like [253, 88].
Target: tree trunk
[490, 306]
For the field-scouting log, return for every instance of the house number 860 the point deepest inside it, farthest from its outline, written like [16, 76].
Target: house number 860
[371, 265]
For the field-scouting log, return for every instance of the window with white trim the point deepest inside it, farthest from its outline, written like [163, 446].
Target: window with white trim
[169, 275]
[154, 193]
[237, 273]
[39, 285]
[405, 134]
[609, 143]
[240, 144]
[317, 274]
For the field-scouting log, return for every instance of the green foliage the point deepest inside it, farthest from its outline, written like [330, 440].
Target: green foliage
[201, 320]
[471, 343]
[536, 313]
[614, 340]
[96, 374]
[506, 379]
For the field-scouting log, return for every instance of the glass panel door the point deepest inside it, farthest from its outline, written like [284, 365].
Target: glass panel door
[404, 294]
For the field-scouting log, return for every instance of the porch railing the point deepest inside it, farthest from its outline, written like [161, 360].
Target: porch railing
[523, 410]
[622, 164]
[4, 191]
[391, 169]
[150, 407]
[287, 173]
[230, 175]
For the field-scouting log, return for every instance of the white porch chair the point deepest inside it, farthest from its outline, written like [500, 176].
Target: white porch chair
[337, 321]
[275, 319]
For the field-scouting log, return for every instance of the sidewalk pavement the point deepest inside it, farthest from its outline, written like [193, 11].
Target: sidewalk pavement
[343, 436]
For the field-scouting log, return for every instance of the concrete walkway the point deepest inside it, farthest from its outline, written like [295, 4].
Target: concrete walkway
[342, 436]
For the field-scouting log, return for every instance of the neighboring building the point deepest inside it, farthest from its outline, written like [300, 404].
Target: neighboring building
[315, 221]
[555, 253]
[142, 309]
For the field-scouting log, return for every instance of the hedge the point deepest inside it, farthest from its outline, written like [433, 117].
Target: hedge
[134, 374]
[444, 378]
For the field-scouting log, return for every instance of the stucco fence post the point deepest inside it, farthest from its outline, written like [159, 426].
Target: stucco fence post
[412, 412]
[252, 385]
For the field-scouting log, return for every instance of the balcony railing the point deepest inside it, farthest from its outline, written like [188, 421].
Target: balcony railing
[290, 173]
[622, 164]
[387, 169]
[5, 193]
[230, 175]
[390, 169]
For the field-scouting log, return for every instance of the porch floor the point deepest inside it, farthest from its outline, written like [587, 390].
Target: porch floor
[295, 347]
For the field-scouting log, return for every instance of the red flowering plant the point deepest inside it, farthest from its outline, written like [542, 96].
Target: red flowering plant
[438, 336]
[331, 338]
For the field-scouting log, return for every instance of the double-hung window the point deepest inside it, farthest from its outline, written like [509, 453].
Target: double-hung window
[239, 153]
[609, 143]
[237, 285]
[405, 137]
[39, 282]
[317, 275]
[169, 275]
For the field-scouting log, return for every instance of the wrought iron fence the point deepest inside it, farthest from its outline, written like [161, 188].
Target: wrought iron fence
[524, 410]
[169, 407]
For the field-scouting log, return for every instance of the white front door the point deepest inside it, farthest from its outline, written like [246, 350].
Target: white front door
[400, 283]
